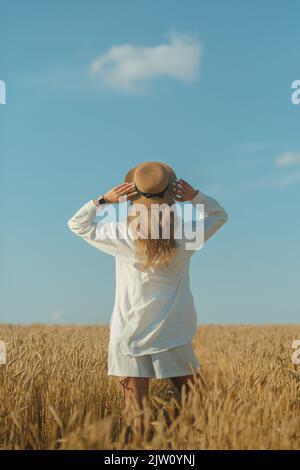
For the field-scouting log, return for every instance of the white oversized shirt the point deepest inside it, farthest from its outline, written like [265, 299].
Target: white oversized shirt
[154, 308]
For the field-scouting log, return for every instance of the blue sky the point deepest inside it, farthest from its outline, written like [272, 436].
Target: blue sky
[93, 88]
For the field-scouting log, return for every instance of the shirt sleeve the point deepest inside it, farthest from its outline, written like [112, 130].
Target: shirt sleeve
[214, 214]
[210, 218]
[102, 236]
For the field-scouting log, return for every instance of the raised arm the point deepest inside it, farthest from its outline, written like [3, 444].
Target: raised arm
[102, 236]
[214, 214]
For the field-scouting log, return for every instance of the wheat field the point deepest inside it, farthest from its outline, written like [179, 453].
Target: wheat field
[55, 393]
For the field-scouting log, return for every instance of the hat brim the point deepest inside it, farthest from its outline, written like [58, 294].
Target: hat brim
[167, 198]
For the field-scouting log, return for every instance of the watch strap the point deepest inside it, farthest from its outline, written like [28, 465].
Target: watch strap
[101, 200]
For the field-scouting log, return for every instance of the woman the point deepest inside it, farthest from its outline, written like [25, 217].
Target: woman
[154, 317]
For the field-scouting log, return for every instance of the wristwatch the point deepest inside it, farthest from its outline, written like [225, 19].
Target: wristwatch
[101, 200]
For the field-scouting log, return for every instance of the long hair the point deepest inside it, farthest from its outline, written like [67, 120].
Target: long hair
[154, 231]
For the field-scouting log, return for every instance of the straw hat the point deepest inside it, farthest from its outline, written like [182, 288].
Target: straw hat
[154, 183]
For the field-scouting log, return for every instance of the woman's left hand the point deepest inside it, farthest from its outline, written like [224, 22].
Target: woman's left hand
[184, 191]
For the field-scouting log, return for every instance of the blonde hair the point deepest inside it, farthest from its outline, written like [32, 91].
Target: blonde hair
[154, 248]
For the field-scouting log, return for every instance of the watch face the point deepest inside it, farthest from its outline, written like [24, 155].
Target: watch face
[102, 201]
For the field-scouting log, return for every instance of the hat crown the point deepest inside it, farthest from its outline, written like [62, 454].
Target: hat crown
[153, 181]
[151, 177]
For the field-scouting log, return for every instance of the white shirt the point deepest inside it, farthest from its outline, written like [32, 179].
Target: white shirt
[154, 308]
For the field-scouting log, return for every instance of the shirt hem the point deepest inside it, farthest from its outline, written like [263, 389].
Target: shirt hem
[156, 350]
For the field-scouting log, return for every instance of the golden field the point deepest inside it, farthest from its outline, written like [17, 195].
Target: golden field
[55, 393]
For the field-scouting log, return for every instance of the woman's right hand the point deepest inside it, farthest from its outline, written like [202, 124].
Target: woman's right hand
[120, 193]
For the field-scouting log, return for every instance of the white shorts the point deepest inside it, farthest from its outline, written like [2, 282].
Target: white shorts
[174, 362]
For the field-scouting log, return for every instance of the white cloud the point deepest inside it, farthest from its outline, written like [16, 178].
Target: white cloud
[129, 67]
[285, 181]
[273, 181]
[288, 159]
[250, 147]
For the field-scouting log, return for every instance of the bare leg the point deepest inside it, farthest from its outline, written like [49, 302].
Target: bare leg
[135, 390]
[183, 381]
